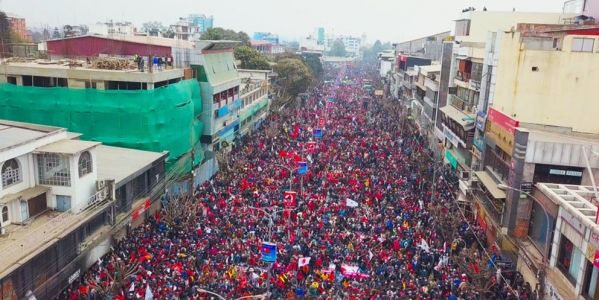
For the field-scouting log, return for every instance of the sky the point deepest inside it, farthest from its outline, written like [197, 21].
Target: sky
[385, 20]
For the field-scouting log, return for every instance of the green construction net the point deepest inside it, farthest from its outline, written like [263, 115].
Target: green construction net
[153, 120]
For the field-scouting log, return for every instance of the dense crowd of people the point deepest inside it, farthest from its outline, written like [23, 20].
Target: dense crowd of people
[362, 225]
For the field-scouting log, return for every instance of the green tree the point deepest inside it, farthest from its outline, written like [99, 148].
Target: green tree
[251, 59]
[294, 76]
[56, 34]
[387, 46]
[218, 33]
[168, 34]
[313, 61]
[377, 47]
[288, 54]
[338, 48]
[5, 37]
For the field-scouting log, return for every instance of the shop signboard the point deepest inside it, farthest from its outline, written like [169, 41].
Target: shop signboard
[480, 120]
[451, 137]
[590, 253]
[452, 160]
[526, 186]
[506, 123]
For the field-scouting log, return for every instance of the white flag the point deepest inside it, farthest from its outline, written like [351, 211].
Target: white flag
[370, 255]
[132, 288]
[304, 261]
[149, 295]
[424, 246]
[351, 203]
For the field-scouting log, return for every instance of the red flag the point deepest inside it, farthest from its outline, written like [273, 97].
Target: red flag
[311, 146]
[297, 158]
[289, 198]
[321, 122]
[282, 153]
[296, 129]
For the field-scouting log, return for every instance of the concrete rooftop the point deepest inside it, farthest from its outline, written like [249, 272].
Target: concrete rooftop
[122, 164]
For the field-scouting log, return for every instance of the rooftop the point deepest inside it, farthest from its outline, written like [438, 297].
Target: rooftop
[13, 134]
[260, 43]
[576, 199]
[146, 40]
[69, 147]
[430, 69]
[122, 164]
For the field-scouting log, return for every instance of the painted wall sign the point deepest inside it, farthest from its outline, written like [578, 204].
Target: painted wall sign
[481, 117]
[506, 123]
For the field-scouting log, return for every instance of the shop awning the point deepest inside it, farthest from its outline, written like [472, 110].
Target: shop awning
[457, 115]
[490, 184]
[25, 194]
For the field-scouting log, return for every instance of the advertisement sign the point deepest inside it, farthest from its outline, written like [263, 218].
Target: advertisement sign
[317, 132]
[302, 167]
[311, 146]
[526, 186]
[322, 122]
[452, 161]
[290, 198]
[596, 259]
[506, 123]
[332, 99]
[481, 117]
[269, 252]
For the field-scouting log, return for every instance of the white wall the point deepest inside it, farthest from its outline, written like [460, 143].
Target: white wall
[86, 185]
[385, 67]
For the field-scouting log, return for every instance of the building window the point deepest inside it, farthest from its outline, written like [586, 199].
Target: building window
[11, 173]
[4, 214]
[53, 169]
[582, 45]
[85, 164]
[568, 260]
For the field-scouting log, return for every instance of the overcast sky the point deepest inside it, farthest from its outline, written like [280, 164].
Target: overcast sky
[387, 20]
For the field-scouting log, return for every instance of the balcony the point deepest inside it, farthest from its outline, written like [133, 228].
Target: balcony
[459, 103]
[494, 207]
[431, 84]
[462, 76]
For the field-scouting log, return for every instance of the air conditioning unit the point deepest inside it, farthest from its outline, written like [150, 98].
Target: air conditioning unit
[464, 175]
[100, 184]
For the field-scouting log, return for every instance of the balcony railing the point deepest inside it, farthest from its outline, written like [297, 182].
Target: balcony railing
[462, 76]
[493, 206]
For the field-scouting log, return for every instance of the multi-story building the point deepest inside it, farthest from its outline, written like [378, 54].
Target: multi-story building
[406, 75]
[18, 25]
[267, 48]
[534, 67]
[311, 44]
[255, 97]
[465, 76]
[129, 107]
[185, 29]
[111, 28]
[203, 21]
[430, 47]
[267, 37]
[352, 45]
[227, 103]
[60, 209]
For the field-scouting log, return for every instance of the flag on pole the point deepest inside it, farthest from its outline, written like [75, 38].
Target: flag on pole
[132, 288]
[424, 246]
[149, 295]
[304, 261]
[351, 203]
[290, 198]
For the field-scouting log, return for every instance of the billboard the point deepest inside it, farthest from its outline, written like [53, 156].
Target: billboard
[269, 252]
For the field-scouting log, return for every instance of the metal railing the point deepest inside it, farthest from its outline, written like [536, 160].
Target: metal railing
[46, 232]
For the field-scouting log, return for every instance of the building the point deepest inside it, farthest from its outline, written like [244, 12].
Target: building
[352, 45]
[83, 47]
[405, 77]
[59, 205]
[203, 21]
[267, 37]
[231, 107]
[255, 97]
[542, 60]
[111, 28]
[129, 107]
[311, 44]
[468, 72]
[430, 47]
[185, 29]
[589, 8]
[320, 35]
[267, 48]
[18, 25]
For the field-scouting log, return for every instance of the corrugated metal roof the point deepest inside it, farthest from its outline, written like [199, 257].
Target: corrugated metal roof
[220, 67]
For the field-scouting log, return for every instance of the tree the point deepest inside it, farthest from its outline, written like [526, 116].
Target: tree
[152, 28]
[387, 46]
[68, 31]
[377, 47]
[5, 37]
[218, 33]
[315, 64]
[180, 210]
[294, 76]
[251, 59]
[168, 33]
[116, 278]
[84, 29]
[338, 48]
[16, 38]
[288, 54]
